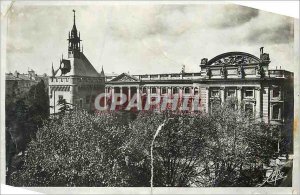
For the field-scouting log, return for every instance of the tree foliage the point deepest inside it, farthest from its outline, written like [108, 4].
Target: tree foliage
[225, 148]
[23, 115]
[78, 149]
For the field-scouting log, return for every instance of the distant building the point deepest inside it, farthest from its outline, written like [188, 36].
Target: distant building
[76, 80]
[267, 93]
[18, 84]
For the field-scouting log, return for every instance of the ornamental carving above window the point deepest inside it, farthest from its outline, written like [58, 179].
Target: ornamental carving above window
[234, 58]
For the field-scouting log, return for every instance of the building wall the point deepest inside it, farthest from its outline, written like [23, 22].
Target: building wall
[75, 90]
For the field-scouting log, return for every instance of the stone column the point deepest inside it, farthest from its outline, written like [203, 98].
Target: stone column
[148, 94]
[105, 93]
[258, 102]
[239, 95]
[222, 93]
[129, 94]
[112, 94]
[138, 96]
[207, 99]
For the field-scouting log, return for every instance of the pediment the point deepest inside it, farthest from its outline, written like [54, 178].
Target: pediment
[233, 58]
[125, 78]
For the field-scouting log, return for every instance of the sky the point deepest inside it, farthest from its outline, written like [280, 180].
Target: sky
[145, 39]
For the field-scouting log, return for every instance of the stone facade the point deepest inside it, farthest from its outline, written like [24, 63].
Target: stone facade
[17, 84]
[76, 80]
[268, 94]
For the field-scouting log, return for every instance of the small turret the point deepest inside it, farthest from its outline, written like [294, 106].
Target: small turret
[102, 73]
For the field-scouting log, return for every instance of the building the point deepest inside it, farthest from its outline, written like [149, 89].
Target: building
[75, 80]
[18, 84]
[268, 94]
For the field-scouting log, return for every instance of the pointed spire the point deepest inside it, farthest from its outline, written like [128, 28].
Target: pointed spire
[74, 16]
[102, 72]
[53, 73]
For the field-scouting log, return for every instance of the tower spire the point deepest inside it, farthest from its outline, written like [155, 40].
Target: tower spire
[74, 16]
[74, 41]
[102, 74]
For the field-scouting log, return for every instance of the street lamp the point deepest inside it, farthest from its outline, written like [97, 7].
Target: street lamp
[151, 149]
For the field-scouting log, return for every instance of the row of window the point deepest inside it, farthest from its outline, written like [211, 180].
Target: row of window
[249, 107]
[231, 92]
[276, 110]
[247, 92]
[174, 90]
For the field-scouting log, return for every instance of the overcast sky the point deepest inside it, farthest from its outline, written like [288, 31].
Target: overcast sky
[144, 39]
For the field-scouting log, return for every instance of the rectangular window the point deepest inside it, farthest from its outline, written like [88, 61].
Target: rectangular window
[230, 93]
[196, 91]
[175, 90]
[276, 112]
[87, 99]
[249, 93]
[153, 90]
[164, 90]
[249, 109]
[215, 93]
[80, 103]
[276, 92]
[144, 90]
[214, 105]
[187, 90]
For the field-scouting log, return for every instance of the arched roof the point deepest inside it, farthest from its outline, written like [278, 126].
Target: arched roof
[234, 58]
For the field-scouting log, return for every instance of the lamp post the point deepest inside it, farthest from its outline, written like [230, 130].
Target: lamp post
[151, 150]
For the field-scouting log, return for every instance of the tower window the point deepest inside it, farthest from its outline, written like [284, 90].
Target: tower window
[87, 99]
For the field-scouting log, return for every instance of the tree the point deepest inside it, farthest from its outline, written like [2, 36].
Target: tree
[78, 149]
[64, 106]
[239, 145]
[24, 114]
[224, 148]
[179, 149]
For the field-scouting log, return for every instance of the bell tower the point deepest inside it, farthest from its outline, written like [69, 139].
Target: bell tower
[74, 42]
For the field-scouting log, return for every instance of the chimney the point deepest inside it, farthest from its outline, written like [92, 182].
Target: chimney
[261, 50]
